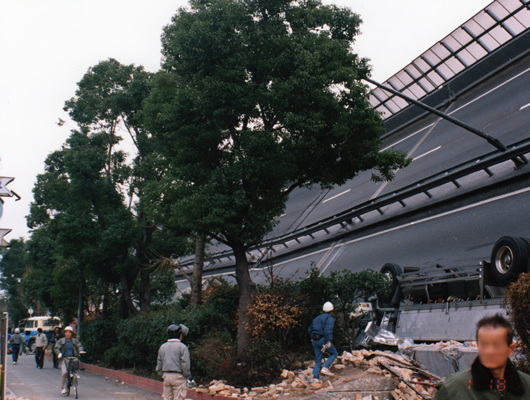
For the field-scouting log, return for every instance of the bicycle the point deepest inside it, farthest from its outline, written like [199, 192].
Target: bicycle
[72, 365]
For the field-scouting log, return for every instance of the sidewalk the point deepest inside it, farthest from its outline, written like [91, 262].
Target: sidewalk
[24, 381]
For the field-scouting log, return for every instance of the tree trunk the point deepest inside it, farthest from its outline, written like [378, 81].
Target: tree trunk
[105, 303]
[198, 265]
[126, 280]
[246, 289]
[145, 267]
[145, 289]
[80, 305]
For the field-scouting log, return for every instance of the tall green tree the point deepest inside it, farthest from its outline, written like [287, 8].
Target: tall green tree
[256, 98]
[109, 101]
[76, 203]
[14, 264]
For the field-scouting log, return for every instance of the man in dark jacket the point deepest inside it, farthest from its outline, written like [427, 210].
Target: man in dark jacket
[16, 341]
[321, 332]
[492, 375]
[54, 338]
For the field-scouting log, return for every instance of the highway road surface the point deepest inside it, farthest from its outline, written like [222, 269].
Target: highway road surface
[26, 381]
[501, 108]
[458, 234]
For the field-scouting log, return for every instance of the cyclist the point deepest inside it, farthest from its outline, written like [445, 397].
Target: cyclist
[67, 347]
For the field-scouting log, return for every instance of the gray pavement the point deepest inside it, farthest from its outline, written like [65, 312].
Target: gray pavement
[27, 382]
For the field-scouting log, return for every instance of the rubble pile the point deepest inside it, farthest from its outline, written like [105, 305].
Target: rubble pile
[409, 381]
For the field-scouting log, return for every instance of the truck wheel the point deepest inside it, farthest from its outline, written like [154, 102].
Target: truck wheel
[392, 273]
[509, 258]
[31, 346]
[527, 243]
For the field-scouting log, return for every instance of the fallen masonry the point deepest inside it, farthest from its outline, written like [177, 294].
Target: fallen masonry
[359, 375]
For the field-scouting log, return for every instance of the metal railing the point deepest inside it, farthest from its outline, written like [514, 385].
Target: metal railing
[497, 24]
[423, 186]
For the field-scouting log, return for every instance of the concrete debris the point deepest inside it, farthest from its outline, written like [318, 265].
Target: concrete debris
[402, 378]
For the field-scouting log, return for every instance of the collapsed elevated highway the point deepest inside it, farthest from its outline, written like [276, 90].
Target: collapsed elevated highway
[458, 196]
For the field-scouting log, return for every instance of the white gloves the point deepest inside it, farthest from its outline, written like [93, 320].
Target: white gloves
[325, 347]
[60, 355]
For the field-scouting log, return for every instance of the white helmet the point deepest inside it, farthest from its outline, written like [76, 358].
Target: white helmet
[328, 307]
[17, 330]
[69, 328]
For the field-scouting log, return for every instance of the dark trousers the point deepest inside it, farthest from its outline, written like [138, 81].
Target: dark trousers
[39, 356]
[55, 360]
[15, 348]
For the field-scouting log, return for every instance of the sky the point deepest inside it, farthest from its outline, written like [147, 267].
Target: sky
[47, 46]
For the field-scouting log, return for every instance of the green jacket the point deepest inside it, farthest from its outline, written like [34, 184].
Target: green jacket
[475, 383]
[60, 347]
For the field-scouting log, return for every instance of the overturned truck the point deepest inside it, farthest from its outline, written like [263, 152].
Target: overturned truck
[445, 303]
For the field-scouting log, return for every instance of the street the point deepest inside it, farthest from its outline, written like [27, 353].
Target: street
[26, 381]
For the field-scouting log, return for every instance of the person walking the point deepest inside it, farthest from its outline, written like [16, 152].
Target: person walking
[40, 344]
[67, 347]
[321, 332]
[17, 342]
[492, 374]
[173, 363]
[54, 338]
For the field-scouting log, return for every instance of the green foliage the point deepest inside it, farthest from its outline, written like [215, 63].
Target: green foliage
[248, 90]
[266, 362]
[213, 356]
[14, 264]
[114, 357]
[98, 337]
[346, 287]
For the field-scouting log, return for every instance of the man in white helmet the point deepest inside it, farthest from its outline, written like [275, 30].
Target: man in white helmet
[16, 341]
[321, 332]
[173, 363]
[67, 347]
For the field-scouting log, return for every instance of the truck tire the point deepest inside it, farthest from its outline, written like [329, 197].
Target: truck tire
[527, 243]
[31, 346]
[509, 257]
[392, 272]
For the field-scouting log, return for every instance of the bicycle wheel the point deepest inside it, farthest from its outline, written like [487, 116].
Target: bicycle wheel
[68, 383]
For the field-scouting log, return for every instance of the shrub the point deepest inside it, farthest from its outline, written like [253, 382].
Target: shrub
[212, 357]
[113, 357]
[274, 314]
[265, 362]
[517, 303]
[97, 337]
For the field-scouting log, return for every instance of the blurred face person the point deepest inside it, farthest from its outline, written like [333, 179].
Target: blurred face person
[494, 349]
[68, 335]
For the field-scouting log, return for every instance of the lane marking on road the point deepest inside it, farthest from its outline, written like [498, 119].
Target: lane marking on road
[459, 108]
[337, 195]
[492, 90]
[523, 107]
[409, 154]
[407, 137]
[420, 221]
[429, 152]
